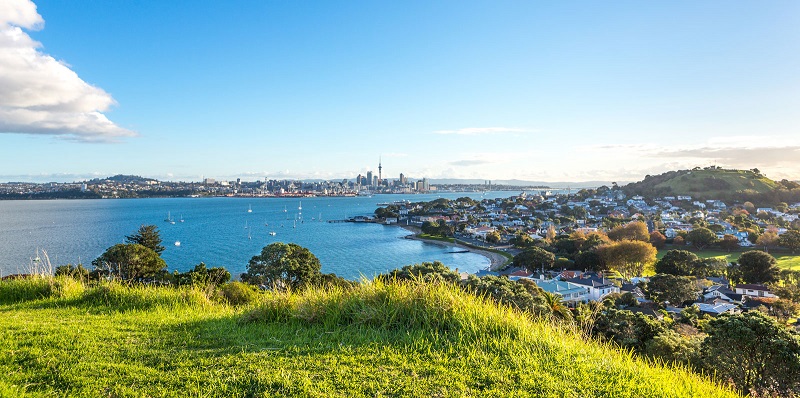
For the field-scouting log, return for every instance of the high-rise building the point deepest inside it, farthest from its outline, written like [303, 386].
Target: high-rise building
[369, 178]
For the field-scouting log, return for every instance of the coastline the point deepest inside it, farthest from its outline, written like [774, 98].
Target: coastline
[495, 260]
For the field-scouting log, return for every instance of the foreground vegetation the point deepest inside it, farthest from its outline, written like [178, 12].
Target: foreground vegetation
[60, 337]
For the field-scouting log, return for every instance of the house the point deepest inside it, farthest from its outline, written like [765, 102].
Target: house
[717, 309]
[569, 292]
[754, 290]
[598, 287]
[723, 293]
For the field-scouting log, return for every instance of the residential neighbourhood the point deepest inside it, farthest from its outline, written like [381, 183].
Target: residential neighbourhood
[563, 223]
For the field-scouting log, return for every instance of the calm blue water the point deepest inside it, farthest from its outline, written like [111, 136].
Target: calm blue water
[73, 231]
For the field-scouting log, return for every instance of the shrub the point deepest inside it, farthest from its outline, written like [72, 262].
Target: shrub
[238, 293]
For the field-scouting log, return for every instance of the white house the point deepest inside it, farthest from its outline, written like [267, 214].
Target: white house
[598, 287]
[754, 290]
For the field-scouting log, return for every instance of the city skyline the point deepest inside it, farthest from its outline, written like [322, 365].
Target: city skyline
[464, 90]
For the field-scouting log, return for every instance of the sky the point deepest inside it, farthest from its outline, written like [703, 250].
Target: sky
[530, 90]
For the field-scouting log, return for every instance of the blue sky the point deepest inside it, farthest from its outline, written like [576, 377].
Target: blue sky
[545, 91]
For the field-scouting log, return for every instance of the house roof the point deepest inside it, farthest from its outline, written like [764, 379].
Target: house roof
[753, 287]
[593, 281]
[715, 308]
[559, 287]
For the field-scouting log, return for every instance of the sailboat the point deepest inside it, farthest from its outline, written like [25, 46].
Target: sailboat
[169, 219]
[249, 209]
[249, 236]
[245, 224]
[272, 233]
[181, 219]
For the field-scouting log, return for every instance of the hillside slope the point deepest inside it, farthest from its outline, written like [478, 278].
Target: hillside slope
[62, 339]
[704, 184]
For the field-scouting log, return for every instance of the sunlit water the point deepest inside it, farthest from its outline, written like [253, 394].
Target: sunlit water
[221, 232]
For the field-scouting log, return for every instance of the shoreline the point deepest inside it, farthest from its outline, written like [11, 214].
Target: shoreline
[495, 260]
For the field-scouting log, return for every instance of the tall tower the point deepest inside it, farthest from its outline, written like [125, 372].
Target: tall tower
[380, 169]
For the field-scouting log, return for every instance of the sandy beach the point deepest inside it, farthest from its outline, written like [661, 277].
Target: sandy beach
[496, 260]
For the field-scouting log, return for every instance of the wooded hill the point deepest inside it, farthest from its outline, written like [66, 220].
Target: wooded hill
[717, 183]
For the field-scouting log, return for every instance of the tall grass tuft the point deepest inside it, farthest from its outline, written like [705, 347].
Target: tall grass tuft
[25, 289]
[400, 305]
[127, 298]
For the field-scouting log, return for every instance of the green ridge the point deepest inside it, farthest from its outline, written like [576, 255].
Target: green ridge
[60, 338]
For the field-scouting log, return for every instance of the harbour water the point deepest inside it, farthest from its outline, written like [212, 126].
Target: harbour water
[222, 232]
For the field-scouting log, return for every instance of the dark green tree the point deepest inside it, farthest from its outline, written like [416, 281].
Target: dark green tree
[672, 288]
[534, 259]
[424, 272]
[129, 261]
[701, 238]
[754, 352]
[147, 236]
[523, 295]
[790, 240]
[677, 262]
[758, 267]
[283, 266]
[729, 243]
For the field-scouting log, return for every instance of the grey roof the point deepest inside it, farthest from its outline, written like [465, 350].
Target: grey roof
[593, 281]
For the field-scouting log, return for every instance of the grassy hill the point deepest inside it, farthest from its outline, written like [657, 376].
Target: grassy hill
[61, 338]
[706, 184]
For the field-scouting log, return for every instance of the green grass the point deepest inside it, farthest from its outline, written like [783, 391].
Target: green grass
[785, 260]
[377, 340]
[436, 237]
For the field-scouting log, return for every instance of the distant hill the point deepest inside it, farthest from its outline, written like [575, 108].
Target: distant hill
[716, 183]
[124, 179]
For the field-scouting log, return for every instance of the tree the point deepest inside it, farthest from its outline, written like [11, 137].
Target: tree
[729, 243]
[493, 237]
[534, 259]
[524, 295]
[677, 262]
[629, 257]
[672, 288]
[657, 239]
[791, 240]
[701, 238]
[200, 275]
[767, 239]
[129, 261]
[147, 236]
[758, 267]
[754, 352]
[634, 230]
[679, 241]
[282, 265]
[425, 272]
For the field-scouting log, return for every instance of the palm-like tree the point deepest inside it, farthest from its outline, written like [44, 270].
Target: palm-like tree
[556, 306]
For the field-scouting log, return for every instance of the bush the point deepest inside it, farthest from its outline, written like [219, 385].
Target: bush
[238, 293]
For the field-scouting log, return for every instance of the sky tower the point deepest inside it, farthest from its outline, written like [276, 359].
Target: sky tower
[380, 168]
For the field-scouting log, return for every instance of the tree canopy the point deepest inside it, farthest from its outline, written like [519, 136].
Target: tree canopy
[758, 267]
[534, 259]
[634, 230]
[754, 352]
[672, 288]
[629, 257]
[282, 265]
[129, 261]
[677, 262]
[701, 238]
[147, 236]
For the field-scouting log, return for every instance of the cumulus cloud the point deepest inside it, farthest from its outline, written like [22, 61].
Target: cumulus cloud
[41, 95]
[482, 131]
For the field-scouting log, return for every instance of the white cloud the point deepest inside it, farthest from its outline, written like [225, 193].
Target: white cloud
[482, 131]
[40, 95]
